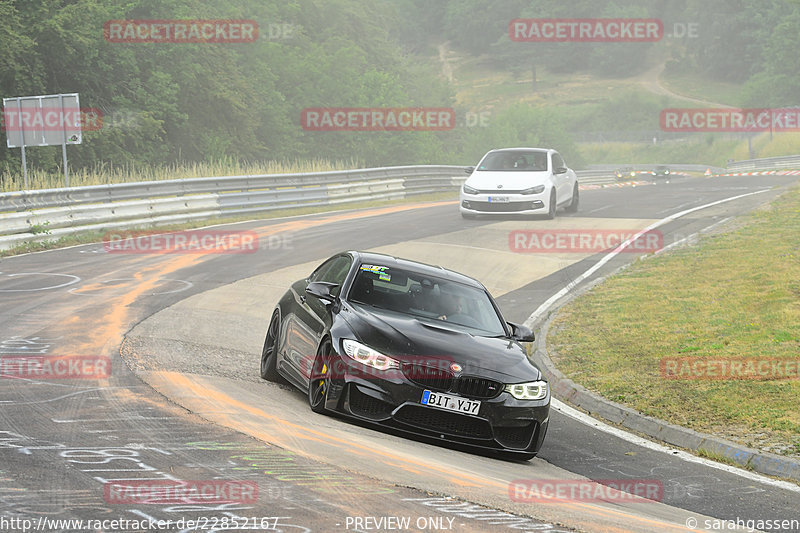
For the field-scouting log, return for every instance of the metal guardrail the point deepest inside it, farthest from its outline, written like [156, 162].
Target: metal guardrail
[39, 199]
[595, 177]
[767, 163]
[28, 216]
[680, 167]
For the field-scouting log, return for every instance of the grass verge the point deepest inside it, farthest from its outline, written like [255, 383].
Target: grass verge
[102, 174]
[718, 457]
[691, 85]
[733, 295]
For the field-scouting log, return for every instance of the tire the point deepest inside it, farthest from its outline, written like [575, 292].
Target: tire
[576, 200]
[468, 216]
[318, 381]
[551, 212]
[269, 353]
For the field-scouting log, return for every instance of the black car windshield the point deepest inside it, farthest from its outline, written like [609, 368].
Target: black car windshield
[516, 160]
[435, 299]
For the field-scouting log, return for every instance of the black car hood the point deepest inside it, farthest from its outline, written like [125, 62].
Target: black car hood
[418, 340]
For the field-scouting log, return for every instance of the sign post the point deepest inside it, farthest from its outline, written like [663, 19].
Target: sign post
[48, 120]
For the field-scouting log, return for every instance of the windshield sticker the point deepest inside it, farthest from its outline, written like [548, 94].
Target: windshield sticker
[379, 270]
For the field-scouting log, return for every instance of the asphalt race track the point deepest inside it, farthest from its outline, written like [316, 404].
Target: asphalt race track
[183, 400]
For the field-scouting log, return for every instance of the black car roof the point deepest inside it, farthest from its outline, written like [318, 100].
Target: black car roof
[415, 266]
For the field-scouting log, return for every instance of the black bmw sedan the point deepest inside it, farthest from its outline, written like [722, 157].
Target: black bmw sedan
[410, 346]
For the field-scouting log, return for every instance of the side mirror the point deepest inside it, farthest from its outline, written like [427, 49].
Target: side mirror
[521, 333]
[561, 170]
[469, 170]
[322, 290]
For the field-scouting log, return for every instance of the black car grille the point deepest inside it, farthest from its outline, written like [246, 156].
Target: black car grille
[475, 387]
[500, 207]
[367, 406]
[515, 437]
[444, 422]
[428, 376]
[442, 380]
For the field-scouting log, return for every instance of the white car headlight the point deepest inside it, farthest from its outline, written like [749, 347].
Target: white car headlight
[535, 390]
[470, 190]
[367, 356]
[534, 190]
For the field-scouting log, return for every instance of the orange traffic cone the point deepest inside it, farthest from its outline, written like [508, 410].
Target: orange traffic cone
[708, 172]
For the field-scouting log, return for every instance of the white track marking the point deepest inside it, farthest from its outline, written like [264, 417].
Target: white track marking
[187, 285]
[608, 257]
[688, 237]
[589, 421]
[680, 454]
[75, 279]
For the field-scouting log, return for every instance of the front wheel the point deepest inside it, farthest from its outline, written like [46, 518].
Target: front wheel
[269, 353]
[551, 211]
[576, 199]
[318, 381]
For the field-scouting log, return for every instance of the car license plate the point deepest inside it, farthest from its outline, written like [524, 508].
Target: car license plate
[498, 199]
[450, 403]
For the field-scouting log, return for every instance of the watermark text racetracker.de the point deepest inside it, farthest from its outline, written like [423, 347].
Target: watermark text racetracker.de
[52, 119]
[192, 242]
[584, 240]
[585, 490]
[169, 492]
[358, 362]
[47, 524]
[181, 31]
[732, 368]
[45, 367]
[585, 30]
[730, 119]
[378, 118]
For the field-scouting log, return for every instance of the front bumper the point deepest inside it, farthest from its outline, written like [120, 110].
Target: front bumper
[513, 203]
[503, 423]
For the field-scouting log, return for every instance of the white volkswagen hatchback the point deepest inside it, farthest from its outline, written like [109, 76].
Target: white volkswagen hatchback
[525, 181]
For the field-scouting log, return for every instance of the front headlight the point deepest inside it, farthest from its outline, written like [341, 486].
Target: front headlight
[534, 190]
[535, 390]
[470, 190]
[367, 356]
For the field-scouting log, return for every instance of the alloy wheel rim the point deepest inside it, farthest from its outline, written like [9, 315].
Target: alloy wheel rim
[269, 344]
[318, 378]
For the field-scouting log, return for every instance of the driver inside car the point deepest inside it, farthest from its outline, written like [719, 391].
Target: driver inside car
[453, 305]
